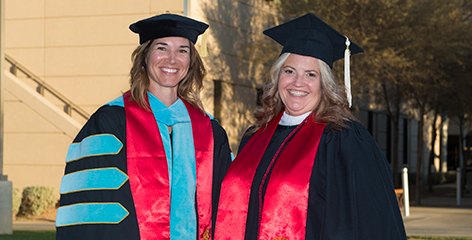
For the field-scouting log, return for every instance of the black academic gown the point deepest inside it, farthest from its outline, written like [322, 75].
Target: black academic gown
[112, 120]
[351, 193]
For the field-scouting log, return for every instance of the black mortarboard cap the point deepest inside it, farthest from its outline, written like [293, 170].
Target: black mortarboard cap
[310, 36]
[168, 25]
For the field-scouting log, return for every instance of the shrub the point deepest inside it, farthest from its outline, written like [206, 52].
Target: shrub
[16, 201]
[36, 199]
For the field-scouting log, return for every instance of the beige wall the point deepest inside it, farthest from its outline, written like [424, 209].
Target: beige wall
[83, 48]
[80, 48]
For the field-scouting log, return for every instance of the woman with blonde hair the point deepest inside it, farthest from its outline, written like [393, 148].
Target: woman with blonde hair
[308, 169]
[149, 164]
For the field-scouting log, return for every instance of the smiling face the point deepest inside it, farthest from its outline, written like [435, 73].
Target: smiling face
[167, 63]
[299, 84]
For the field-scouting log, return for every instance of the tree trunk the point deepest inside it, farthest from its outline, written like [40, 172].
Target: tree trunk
[420, 155]
[396, 133]
[396, 176]
[461, 153]
[431, 154]
[441, 147]
[395, 119]
[467, 154]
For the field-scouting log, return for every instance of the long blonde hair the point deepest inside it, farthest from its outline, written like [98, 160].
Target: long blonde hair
[332, 107]
[189, 87]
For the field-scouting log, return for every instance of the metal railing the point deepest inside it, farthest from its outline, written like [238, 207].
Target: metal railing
[69, 106]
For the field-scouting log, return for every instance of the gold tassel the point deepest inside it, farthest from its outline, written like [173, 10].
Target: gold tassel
[203, 46]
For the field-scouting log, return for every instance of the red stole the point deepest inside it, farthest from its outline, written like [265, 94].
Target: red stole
[148, 171]
[286, 199]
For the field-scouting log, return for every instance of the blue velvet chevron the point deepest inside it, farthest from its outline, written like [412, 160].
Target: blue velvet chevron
[95, 145]
[90, 213]
[93, 179]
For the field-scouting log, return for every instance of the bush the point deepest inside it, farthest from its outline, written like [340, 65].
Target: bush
[36, 199]
[16, 201]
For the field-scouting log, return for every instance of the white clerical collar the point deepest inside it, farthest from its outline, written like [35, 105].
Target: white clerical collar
[288, 120]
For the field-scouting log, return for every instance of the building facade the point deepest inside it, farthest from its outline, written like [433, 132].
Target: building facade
[67, 58]
[81, 50]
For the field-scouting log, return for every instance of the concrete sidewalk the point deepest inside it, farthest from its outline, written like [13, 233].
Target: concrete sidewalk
[36, 226]
[439, 215]
[439, 221]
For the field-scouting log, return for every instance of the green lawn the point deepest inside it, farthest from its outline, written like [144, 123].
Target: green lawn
[30, 235]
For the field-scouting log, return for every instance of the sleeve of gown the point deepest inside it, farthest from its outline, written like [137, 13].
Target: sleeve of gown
[360, 201]
[95, 186]
[245, 139]
[221, 162]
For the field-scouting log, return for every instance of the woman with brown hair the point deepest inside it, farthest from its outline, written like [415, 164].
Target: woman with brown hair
[308, 169]
[149, 164]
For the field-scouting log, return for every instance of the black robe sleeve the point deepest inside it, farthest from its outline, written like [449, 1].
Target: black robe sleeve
[222, 160]
[112, 120]
[351, 189]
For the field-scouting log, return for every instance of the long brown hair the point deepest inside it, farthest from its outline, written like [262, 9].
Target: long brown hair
[332, 107]
[189, 87]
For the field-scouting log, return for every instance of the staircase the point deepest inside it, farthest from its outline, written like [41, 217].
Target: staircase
[35, 99]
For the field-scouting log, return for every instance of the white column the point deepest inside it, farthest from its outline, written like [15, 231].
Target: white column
[186, 8]
[6, 209]
[406, 193]
[6, 187]
[2, 76]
